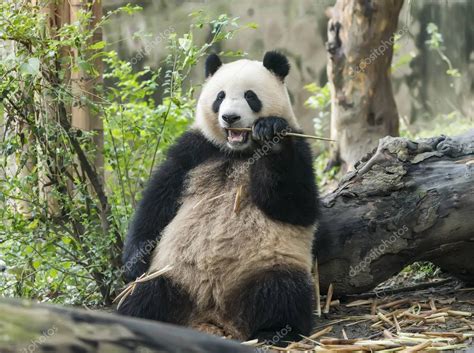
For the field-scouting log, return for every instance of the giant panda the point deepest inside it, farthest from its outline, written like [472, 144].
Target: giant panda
[233, 212]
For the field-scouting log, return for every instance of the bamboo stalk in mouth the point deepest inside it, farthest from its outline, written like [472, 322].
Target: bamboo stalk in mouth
[288, 133]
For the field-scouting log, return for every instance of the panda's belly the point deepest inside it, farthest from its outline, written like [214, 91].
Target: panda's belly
[213, 245]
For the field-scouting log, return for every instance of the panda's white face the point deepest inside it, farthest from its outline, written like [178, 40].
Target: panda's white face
[235, 96]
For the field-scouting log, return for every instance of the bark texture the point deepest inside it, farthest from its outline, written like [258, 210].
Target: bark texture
[82, 117]
[407, 201]
[26, 327]
[360, 49]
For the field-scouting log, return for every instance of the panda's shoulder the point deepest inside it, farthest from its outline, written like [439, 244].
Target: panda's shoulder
[192, 148]
[303, 148]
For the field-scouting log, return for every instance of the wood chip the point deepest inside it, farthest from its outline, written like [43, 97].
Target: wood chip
[373, 307]
[328, 299]
[397, 325]
[238, 199]
[332, 341]
[444, 334]
[320, 333]
[317, 288]
[459, 313]
[394, 303]
[143, 278]
[359, 302]
[384, 318]
[418, 347]
[250, 343]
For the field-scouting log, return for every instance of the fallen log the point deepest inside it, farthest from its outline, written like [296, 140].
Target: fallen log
[27, 327]
[406, 201]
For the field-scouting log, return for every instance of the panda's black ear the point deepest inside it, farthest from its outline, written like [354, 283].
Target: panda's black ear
[213, 63]
[276, 63]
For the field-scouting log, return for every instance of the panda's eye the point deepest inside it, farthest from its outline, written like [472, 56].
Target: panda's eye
[217, 103]
[253, 101]
[250, 95]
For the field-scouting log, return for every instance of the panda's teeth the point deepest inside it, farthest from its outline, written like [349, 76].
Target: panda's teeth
[235, 136]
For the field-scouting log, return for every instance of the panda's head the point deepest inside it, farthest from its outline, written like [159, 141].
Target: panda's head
[238, 93]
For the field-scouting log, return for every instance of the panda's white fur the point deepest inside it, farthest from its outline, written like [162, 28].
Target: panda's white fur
[240, 240]
[235, 78]
[213, 249]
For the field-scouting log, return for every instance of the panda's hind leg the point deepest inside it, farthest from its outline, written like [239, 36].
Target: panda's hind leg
[158, 299]
[275, 306]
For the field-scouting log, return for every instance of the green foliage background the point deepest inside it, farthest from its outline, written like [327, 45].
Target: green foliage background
[61, 235]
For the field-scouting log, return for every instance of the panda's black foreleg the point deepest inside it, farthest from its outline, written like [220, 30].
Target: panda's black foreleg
[158, 299]
[160, 201]
[274, 306]
[282, 181]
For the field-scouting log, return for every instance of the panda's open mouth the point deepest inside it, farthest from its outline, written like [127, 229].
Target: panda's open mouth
[237, 137]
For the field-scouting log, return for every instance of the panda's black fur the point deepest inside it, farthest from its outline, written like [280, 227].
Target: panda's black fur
[160, 200]
[281, 185]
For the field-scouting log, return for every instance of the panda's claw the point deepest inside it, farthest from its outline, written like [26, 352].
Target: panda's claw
[267, 132]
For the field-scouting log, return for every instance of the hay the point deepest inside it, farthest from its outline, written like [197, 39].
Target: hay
[132, 285]
[420, 321]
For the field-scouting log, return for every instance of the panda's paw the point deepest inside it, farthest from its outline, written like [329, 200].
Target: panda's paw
[268, 128]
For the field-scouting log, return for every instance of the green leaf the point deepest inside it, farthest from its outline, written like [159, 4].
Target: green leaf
[185, 43]
[36, 264]
[453, 72]
[252, 25]
[33, 225]
[31, 67]
[97, 46]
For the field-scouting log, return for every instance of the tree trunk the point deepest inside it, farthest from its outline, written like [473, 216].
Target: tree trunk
[409, 201]
[360, 48]
[46, 328]
[83, 86]
[57, 15]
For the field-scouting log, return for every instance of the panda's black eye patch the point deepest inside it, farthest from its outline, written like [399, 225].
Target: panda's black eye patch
[217, 102]
[253, 101]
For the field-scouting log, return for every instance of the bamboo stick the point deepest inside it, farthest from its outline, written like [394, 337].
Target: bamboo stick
[316, 288]
[328, 299]
[288, 133]
[418, 347]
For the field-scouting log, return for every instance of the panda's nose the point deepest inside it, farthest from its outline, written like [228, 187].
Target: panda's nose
[230, 118]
